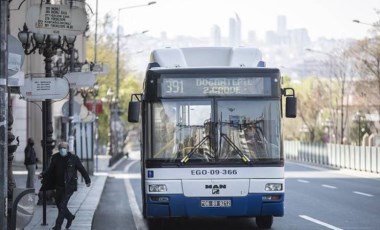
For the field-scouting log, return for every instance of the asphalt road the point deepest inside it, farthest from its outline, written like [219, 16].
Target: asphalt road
[316, 198]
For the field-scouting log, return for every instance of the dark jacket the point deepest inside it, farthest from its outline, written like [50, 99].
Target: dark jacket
[30, 155]
[70, 175]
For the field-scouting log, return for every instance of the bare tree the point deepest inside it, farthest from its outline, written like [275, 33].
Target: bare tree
[342, 72]
[366, 54]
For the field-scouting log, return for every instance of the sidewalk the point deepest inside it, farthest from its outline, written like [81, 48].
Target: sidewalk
[83, 203]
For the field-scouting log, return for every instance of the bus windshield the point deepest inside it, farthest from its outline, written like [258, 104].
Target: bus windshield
[216, 131]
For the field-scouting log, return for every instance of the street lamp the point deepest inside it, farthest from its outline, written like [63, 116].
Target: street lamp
[47, 45]
[118, 43]
[318, 51]
[366, 23]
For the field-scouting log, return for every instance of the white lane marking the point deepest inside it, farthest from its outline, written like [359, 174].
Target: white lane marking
[117, 163]
[303, 181]
[320, 222]
[328, 186]
[362, 193]
[136, 212]
[125, 176]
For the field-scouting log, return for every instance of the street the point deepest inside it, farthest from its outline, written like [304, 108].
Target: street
[316, 198]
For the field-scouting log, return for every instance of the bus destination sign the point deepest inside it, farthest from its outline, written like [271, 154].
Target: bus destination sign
[207, 86]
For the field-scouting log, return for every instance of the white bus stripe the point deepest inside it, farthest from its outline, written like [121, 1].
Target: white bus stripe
[328, 186]
[320, 222]
[136, 212]
[362, 193]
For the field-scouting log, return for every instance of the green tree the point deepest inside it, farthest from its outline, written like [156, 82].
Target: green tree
[129, 80]
[312, 101]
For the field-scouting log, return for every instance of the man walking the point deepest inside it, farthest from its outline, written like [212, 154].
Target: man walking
[61, 175]
[30, 162]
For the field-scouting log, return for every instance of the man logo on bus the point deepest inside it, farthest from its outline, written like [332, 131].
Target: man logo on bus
[216, 188]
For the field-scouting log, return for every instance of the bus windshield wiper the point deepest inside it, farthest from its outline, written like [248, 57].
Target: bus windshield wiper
[239, 152]
[195, 148]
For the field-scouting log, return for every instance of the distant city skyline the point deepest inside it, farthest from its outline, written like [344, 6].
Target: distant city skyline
[331, 19]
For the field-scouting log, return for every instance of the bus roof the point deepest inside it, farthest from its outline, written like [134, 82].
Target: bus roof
[206, 57]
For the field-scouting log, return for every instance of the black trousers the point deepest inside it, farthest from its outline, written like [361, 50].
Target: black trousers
[62, 198]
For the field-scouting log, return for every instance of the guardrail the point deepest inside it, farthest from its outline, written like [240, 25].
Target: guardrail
[342, 156]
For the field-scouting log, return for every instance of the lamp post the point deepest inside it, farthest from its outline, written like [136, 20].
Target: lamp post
[47, 45]
[115, 105]
[366, 23]
[118, 43]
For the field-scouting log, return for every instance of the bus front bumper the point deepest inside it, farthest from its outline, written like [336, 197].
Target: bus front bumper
[180, 206]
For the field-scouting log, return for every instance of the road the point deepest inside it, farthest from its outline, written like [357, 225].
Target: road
[316, 198]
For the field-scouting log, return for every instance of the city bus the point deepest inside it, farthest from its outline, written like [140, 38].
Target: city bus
[211, 143]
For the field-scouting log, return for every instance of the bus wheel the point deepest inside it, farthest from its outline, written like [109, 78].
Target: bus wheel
[264, 222]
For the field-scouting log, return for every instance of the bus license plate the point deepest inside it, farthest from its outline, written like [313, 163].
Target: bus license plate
[215, 203]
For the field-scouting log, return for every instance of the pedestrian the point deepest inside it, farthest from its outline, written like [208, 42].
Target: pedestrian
[30, 162]
[61, 175]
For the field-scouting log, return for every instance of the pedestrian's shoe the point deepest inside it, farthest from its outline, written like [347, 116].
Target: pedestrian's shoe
[69, 222]
[56, 228]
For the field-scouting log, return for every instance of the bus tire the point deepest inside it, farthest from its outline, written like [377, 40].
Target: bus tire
[264, 222]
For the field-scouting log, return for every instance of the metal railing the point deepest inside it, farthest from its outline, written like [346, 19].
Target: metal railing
[342, 156]
[22, 208]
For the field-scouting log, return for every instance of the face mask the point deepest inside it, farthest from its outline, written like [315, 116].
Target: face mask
[63, 152]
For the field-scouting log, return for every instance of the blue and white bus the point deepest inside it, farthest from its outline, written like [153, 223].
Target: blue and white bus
[211, 135]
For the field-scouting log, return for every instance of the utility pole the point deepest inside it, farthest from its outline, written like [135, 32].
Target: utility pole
[3, 114]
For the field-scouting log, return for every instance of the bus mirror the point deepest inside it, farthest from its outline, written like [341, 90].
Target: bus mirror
[133, 111]
[291, 107]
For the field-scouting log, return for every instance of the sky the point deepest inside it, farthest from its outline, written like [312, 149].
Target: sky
[328, 18]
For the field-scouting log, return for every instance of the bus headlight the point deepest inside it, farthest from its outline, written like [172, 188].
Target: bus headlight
[273, 187]
[157, 188]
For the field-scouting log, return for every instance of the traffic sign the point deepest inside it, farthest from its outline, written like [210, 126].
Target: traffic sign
[56, 19]
[42, 88]
[76, 108]
[100, 69]
[80, 79]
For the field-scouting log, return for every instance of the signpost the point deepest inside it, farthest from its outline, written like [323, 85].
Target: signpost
[76, 108]
[56, 19]
[81, 79]
[41, 88]
[100, 69]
